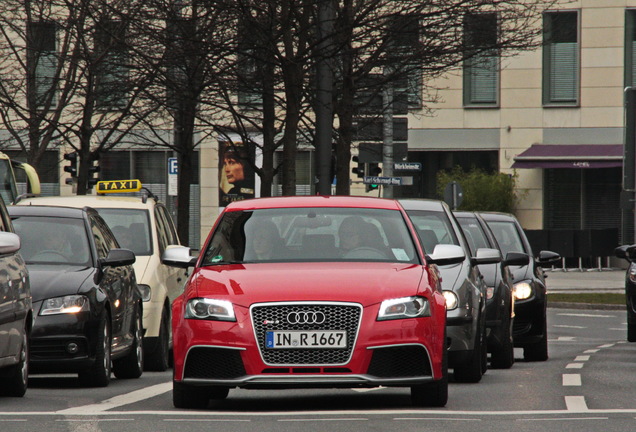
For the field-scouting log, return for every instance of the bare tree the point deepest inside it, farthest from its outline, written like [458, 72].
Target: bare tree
[66, 77]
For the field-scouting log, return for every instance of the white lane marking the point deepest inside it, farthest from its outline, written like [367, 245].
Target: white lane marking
[607, 345]
[586, 315]
[76, 420]
[433, 418]
[576, 403]
[565, 338]
[591, 351]
[574, 366]
[323, 419]
[617, 329]
[364, 390]
[117, 401]
[582, 358]
[569, 326]
[565, 418]
[571, 379]
[206, 420]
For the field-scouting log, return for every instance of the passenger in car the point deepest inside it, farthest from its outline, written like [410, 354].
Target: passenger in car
[264, 242]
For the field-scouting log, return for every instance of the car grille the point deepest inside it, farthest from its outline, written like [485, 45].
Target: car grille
[400, 361]
[338, 316]
[213, 363]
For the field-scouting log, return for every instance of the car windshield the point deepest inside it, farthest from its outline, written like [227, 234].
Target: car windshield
[507, 236]
[474, 233]
[311, 234]
[53, 240]
[434, 228]
[131, 228]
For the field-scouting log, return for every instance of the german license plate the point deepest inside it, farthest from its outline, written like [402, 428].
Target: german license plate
[306, 339]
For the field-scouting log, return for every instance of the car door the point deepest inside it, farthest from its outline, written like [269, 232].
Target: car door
[167, 236]
[116, 281]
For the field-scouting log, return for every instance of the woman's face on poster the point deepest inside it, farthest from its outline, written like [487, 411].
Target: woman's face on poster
[233, 170]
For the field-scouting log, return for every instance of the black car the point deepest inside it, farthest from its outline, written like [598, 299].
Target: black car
[462, 283]
[87, 307]
[530, 324]
[628, 252]
[499, 294]
[16, 313]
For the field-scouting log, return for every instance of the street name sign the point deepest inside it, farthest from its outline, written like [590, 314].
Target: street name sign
[408, 166]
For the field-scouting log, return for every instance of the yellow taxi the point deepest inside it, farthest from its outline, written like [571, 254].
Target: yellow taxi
[143, 225]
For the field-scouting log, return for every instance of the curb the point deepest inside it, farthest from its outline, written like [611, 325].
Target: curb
[598, 306]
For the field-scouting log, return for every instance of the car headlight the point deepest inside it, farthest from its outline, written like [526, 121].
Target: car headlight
[632, 274]
[523, 291]
[451, 300]
[405, 307]
[210, 309]
[65, 305]
[145, 292]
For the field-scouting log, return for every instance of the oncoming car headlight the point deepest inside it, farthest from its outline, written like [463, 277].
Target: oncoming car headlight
[65, 305]
[523, 291]
[210, 309]
[632, 273]
[405, 307]
[451, 300]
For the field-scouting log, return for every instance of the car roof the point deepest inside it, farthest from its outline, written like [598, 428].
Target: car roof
[498, 216]
[55, 211]
[422, 204]
[313, 201]
[96, 201]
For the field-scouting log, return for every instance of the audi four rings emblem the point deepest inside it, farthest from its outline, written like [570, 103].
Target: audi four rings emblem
[309, 317]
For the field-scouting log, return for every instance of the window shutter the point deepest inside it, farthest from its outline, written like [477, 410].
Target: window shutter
[483, 79]
[563, 74]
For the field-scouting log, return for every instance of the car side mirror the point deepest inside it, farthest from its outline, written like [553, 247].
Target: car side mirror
[118, 258]
[486, 256]
[548, 257]
[516, 259]
[178, 256]
[627, 252]
[9, 243]
[445, 254]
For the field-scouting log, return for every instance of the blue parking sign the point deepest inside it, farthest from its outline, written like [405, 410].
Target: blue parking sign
[172, 166]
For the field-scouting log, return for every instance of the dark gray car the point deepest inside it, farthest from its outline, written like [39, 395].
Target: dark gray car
[462, 282]
[16, 314]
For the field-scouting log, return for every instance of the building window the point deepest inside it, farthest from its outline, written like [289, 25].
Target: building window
[481, 67]
[111, 65]
[42, 64]
[630, 48]
[560, 58]
[249, 85]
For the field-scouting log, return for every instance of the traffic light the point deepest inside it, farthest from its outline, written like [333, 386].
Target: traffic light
[360, 169]
[374, 170]
[93, 172]
[72, 166]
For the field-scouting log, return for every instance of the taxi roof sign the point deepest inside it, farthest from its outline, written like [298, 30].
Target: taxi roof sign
[118, 186]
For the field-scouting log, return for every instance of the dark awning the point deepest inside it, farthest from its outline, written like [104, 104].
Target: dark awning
[571, 156]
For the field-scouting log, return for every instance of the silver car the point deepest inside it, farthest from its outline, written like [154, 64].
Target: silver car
[462, 282]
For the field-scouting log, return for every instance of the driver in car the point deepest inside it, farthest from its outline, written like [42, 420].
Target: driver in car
[350, 233]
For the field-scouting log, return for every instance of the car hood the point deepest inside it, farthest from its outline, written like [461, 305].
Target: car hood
[521, 273]
[48, 281]
[451, 275]
[365, 283]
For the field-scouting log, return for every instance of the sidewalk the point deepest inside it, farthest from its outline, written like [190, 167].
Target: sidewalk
[586, 281]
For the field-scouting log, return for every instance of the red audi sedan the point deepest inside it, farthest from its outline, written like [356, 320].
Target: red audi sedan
[309, 292]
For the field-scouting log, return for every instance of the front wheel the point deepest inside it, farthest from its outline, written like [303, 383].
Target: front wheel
[132, 365]
[503, 356]
[433, 394]
[157, 355]
[98, 375]
[15, 383]
[189, 397]
[631, 325]
[472, 370]
[538, 351]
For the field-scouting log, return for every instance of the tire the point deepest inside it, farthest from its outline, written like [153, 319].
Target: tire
[538, 351]
[433, 394]
[473, 369]
[189, 397]
[132, 365]
[631, 326]
[218, 393]
[503, 356]
[17, 376]
[157, 356]
[98, 375]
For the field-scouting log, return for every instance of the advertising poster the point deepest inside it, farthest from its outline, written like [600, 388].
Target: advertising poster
[236, 177]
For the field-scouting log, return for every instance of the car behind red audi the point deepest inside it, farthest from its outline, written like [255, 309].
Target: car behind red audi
[309, 292]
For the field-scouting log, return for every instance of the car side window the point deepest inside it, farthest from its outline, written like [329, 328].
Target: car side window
[5, 221]
[103, 243]
[162, 234]
[171, 230]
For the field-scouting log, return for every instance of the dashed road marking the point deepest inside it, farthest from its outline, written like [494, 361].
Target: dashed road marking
[576, 403]
[571, 379]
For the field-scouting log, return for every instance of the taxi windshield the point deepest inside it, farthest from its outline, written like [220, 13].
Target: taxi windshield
[52, 240]
[131, 228]
[311, 234]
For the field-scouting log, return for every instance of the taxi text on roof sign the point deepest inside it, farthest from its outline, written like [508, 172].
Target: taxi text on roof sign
[116, 186]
